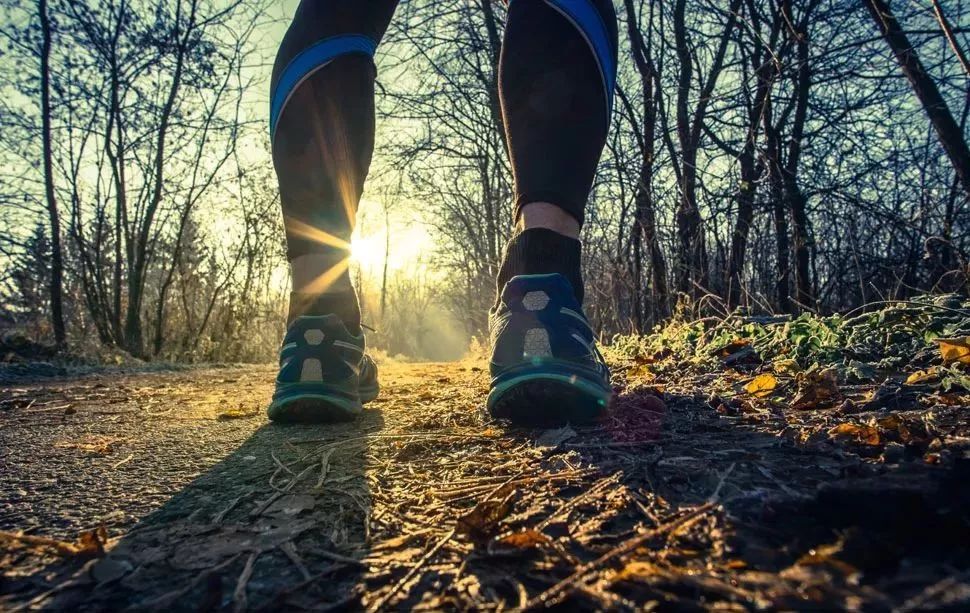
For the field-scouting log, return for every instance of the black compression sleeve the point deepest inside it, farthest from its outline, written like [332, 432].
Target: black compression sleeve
[556, 78]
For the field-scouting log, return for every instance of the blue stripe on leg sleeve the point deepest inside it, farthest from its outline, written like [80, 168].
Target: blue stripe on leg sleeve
[587, 19]
[309, 61]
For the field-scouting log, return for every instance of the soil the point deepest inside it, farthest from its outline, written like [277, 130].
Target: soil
[172, 491]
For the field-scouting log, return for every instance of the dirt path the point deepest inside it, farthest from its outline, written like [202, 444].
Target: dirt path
[425, 504]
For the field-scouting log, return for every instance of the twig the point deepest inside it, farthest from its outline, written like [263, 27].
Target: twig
[516, 480]
[578, 577]
[289, 549]
[578, 500]
[122, 462]
[379, 604]
[62, 547]
[717, 490]
[961, 312]
[336, 557]
[279, 493]
[279, 598]
[232, 505]
[165, 600]
[239, 600]
[324, 466]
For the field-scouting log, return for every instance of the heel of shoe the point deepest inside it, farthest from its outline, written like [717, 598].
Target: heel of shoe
[543, 399]
[314, 407]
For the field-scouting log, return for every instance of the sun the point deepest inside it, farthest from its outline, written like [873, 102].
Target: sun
[366, 252]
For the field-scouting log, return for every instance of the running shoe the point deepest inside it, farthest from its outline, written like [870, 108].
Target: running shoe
[545, 367]
[325, 375]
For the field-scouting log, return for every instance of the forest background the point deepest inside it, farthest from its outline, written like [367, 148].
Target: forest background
[771, 156]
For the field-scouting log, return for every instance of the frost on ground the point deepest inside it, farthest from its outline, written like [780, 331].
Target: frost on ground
[795, 464]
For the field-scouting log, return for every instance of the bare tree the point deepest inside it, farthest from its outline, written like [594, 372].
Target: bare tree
[949, 133]
[57, 257]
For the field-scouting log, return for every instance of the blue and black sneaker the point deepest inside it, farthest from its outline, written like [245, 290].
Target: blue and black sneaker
[545, 367]
[325, 375]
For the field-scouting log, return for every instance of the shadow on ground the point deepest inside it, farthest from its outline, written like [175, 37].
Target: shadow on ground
[280, 521]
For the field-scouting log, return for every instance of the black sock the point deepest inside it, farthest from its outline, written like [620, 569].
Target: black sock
[539, 251]
[343, 304]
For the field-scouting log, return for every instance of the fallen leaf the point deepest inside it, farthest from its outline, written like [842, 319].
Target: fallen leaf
[825, 555]
[955, 349]
[816, 389]
[517, 542]
[109, 569]
[892, 396]
[929, 375]
[860, 371]
[865, 435]
[291, 504]
[786, 367]
[239, 413]
[734, 346]
[762, 385]
[953, 400]
[555, 437]
[95, 445]
[482, 521]
[88, 544]
[639, 570]
[92, 542]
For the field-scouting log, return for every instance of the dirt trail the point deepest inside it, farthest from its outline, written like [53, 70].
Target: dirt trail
[424, 503]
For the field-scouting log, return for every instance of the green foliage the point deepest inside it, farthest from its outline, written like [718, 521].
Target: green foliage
[888, 338]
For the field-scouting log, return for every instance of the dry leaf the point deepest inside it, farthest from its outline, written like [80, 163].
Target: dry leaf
[291, 504]
[865, 435]
[240, 412]
[516, 542]
[555, 437]
[482, 521]
[110, 569]
[95, 445]
[762, 385]
[955, 349]
[639, 570]
[786, 367]
[825, 555]
[90, 543]
[922, 376]
[816, 388]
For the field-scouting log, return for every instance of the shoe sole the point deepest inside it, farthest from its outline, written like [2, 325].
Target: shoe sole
[313, 409]
[547, 399]
[310, 408]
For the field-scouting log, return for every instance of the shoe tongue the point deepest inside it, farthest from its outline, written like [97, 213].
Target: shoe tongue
[554, 286]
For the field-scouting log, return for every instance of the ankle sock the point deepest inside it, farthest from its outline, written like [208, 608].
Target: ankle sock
[343, 304]
[539, 251]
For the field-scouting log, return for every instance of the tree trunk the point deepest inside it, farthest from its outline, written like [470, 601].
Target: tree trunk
[776, 195]
[763, 57]
[645, 214]
[693, 277]
[139, 268]
[949, 133]
[795, 199]
[57, 258]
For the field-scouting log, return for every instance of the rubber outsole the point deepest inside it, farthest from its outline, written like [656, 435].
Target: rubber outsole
[545, 400]
[313, 409]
